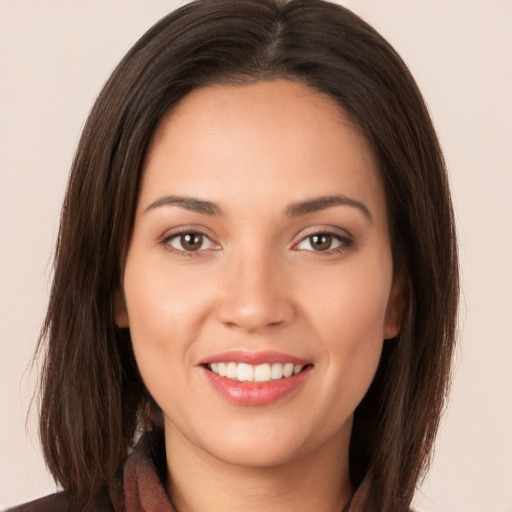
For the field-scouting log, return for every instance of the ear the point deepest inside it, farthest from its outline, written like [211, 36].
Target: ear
[120, 311]
[395, 310]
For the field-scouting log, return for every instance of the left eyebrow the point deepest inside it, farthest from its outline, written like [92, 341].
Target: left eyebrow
[321, 203]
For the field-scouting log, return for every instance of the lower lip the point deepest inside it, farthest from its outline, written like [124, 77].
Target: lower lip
[255, 393]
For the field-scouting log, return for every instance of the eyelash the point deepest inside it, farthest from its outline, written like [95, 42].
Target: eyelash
[165, 242]
[345, 242]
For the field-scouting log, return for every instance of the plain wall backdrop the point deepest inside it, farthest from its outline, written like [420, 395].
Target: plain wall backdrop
[54, 58]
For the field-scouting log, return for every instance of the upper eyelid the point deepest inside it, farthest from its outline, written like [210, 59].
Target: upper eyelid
[340, 238]
[176, 232]
[170, 233]
[328, 230]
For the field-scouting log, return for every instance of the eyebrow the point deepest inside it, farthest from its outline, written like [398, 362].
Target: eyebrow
[321, 203]
[294, 210]
[189, 203]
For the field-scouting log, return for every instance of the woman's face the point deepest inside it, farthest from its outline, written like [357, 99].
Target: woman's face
[260, 248]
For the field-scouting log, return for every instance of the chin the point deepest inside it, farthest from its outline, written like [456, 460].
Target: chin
[263, 455]
[273, 443]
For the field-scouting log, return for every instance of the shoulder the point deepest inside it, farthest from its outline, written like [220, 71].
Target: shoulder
[59, 502]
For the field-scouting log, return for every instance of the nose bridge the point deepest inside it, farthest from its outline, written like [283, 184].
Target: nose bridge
[254, 295]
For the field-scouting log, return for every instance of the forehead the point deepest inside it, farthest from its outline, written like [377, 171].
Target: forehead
[277, 101]
[276, 139]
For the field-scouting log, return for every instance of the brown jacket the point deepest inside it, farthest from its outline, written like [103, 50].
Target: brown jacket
[139, 487]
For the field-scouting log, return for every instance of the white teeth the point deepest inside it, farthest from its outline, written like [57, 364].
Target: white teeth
[262, 373]
[231, 371]
[287, 369]
[244, 372]
[277, 371]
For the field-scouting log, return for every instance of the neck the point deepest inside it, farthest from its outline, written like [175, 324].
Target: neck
[200, 482]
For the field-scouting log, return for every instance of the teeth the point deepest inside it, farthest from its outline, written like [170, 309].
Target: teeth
[262, 373]
[287, 370]
[277, 371]
[231, 371]
[244, 372]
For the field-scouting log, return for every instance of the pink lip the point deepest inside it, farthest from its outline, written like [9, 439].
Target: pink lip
[255, 393]
[254, 358]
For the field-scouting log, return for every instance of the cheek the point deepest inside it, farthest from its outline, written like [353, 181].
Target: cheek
[351, 304]
[160, 313]
[354, 343]
[162, 299]
[349, 314]
[162, 319]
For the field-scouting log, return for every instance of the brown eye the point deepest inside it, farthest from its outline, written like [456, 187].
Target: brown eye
[189, 242]
[321, 242]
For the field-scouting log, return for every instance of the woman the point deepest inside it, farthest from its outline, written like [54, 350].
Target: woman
[256, 273]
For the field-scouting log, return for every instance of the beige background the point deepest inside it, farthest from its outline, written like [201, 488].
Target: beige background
[54, 57]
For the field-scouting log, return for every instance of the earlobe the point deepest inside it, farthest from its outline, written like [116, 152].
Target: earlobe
[395, 310]
[120, 311]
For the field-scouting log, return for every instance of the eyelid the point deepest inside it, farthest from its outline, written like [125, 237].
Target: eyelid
[183, 230]
[341, 235]
[325, 229]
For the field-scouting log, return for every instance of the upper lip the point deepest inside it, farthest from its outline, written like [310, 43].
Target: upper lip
[254, 358]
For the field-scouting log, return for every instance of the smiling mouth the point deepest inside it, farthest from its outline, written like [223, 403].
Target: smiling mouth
[243, 372]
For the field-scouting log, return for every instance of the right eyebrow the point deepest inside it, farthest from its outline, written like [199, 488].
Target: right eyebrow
[189, 203]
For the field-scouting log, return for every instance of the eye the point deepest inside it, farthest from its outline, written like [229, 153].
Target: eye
[322, 242]
[190, 241]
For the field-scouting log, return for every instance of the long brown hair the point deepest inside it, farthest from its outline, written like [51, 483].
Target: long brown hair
[93, 400]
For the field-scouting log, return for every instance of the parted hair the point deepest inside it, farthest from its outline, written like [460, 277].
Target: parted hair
[93, 403]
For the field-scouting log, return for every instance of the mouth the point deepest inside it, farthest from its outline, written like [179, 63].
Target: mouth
[266, 372]
[255, 379]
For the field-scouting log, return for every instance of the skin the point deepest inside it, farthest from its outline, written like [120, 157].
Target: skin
[256, 282]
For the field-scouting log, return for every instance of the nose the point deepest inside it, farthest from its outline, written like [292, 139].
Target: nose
[255, 294]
